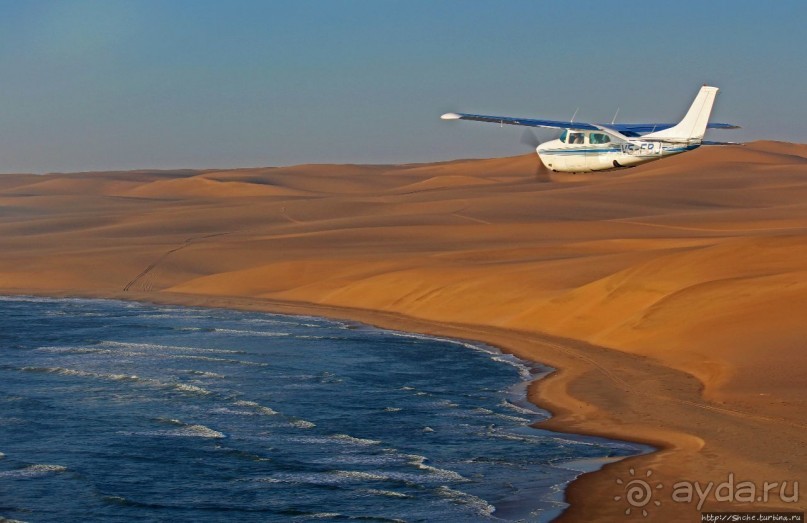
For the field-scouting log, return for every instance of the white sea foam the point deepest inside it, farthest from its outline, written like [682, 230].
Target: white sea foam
[206, 374]
[392, 409]
[190, 389]
[344, 438]
[240, 332]
[169, 421]
[360, 475]
[480, 505]
[218, 360]
[257, 406]
[31, 299]
[419, 462]
[187, 431]
[515, 419]
[201, 431]
[82, 373]
[231, 412]
[518, 408]
[363, 459]
[33, 471]
[71, 350]
[279, 322]
[388, 493]
[496, 355]
[171, 348]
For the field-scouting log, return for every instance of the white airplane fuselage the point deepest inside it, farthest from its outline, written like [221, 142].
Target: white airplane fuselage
[559, 155]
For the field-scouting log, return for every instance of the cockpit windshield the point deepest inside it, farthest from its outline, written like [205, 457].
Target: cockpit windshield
[563, 136]
[596, 138]
[577, 138]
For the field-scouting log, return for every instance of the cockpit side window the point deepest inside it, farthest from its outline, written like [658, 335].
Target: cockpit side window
[563, 136]
[597, 138]
[576, 138]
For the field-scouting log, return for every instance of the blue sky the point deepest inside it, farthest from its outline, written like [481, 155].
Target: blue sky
[126, 84]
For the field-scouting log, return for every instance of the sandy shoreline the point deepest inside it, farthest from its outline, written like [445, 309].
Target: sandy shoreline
[640, 416]
[394, 322]
[670, 298]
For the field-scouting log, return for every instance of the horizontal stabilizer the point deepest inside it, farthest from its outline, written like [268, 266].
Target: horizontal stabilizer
[710, 142]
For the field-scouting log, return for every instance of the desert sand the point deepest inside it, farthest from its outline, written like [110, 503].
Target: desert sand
[672, 298]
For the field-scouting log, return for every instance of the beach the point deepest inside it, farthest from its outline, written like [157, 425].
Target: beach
[670, 297]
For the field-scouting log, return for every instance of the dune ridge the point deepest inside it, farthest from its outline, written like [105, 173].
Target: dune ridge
[671, 296]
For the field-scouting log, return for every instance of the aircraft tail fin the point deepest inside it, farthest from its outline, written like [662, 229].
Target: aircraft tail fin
[693, 126]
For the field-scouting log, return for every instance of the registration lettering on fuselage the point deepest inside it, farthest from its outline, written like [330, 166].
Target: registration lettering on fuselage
[641, 149]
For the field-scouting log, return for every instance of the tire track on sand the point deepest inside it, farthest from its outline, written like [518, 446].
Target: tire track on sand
[187, 243]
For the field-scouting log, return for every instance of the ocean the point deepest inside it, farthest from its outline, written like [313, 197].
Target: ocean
[120, 411]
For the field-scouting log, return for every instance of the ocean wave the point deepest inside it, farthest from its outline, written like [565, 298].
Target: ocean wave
[239, 332]
[518, 408]
[191, 389]
[361, 475]
[342, 477]
[480, 505]
[172, 348]
[71, 350]
[83, 373]
[363, 459]
[309, 478]
[218, 360]
[206, 374]
[33, 471]
[388, 493]
[419, 462]
[280, 322]
[258, 408]
[31, 299]
[524, 370]
[185, 388]
[514, 419]
[230, 412]
[323, 515]
[344, 438]
[523, 367]
[187, 431]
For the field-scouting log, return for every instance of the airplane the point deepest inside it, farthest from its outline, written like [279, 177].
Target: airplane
[586, 147]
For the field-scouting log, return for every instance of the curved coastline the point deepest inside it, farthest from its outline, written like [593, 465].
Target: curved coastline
[530, 372]
[574, 494]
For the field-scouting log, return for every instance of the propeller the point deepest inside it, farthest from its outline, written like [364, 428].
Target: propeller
[529, 137]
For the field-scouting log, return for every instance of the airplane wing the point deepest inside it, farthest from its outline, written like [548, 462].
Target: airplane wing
[529, 122]
[627, 129]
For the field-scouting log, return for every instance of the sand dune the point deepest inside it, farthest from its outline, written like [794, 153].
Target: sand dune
[672, 295]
